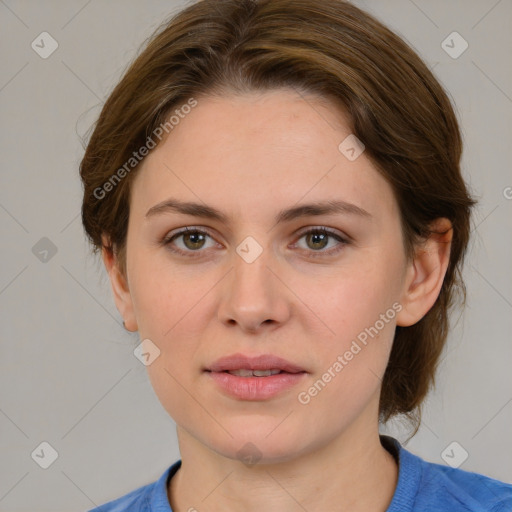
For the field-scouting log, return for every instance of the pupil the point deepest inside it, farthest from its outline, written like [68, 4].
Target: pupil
[193, 235]
[322, 236]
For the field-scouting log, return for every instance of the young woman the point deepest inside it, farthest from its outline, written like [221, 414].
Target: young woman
[275, 189]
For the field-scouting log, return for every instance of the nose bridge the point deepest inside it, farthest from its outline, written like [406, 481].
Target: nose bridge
[252, 295]
[251, 264]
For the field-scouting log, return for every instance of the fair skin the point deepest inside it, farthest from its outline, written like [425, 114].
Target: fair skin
[250, 156]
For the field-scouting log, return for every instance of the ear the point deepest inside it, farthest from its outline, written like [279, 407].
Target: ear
[425, 274]
[119, 284]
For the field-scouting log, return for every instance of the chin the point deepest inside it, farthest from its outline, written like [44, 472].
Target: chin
[255, 445]
[258, 454]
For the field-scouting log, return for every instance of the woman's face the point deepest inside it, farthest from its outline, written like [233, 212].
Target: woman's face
[257, 283]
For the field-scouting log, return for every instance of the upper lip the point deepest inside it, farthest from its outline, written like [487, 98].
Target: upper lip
[261, 362]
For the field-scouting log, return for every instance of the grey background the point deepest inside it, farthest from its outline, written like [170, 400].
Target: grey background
[67, 371]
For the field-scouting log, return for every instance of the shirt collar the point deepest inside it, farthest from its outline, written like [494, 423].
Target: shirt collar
[409, 476]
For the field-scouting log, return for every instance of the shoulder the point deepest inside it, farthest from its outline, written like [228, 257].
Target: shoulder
[134, 500]
[426, 486]
[144, 498]
[464, 489]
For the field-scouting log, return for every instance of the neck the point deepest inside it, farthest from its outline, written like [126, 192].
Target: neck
[351, 473]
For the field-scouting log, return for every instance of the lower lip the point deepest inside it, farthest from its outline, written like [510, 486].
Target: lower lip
[256, 388]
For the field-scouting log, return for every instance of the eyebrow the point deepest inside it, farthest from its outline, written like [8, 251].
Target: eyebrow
[304, 210]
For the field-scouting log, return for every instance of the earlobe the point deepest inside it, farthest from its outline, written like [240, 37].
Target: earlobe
[119, 285]
[425, 274]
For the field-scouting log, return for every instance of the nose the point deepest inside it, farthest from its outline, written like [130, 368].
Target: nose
[253, 294]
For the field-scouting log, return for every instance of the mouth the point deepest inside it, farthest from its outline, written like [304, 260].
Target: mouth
[263, 365]
[254, 378]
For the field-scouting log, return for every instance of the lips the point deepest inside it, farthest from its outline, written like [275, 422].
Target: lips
[254, 378]
[260, 366]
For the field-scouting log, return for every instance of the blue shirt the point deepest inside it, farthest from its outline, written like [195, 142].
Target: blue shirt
[422, 487]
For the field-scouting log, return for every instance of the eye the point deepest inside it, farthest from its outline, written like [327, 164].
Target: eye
[318, 239]
[193, 240]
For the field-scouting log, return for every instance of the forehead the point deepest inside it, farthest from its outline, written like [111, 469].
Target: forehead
[257, 152]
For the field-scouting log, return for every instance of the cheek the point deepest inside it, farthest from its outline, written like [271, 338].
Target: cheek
[173, 310]
[352, 362]
[164, 296]
[359, 309]
[353, 299]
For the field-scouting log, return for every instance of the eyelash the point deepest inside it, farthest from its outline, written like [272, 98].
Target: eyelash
[167, 241]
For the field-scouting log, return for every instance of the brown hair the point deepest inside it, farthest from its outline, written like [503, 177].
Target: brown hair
[336, 51]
